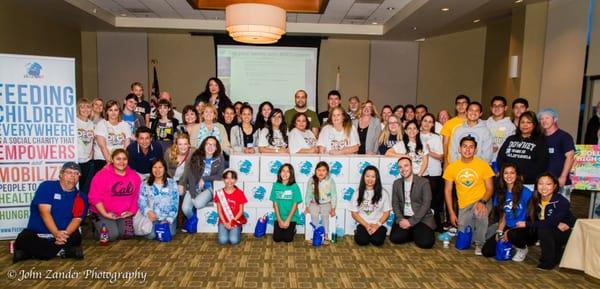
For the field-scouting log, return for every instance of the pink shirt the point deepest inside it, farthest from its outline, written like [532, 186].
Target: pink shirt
[117, 193]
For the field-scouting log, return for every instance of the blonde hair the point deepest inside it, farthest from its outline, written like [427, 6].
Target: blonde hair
[173, 150]
[362, 106]
[385, 133]
[346, 122]
[211, 107]
[81, 102]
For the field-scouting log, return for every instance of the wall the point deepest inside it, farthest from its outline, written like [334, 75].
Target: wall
[564, 60]
[393, 72]
[89, 59]
[450, 65]
[30, 31]
[352, 56]
[532, 57]
[495, 71]
[184, 63]
[122, 59]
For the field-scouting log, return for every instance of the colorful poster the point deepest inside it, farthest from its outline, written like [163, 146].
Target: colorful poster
[37, 130]
[585, 174]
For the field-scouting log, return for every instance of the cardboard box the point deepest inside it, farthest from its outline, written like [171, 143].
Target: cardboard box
[258, 194]
[338, 168]
[357, 166]
[246, 165]
[304, 166]
[269, 166]
[388, 169]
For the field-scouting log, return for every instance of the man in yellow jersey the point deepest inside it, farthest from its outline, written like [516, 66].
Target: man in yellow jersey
[460, 104]
[473, 179]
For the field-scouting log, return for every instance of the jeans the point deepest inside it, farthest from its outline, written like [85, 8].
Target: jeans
[233, 236]
[152, 235]
[479, 224]
[199, 202]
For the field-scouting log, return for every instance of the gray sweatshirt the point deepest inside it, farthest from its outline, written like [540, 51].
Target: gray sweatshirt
[482, 135]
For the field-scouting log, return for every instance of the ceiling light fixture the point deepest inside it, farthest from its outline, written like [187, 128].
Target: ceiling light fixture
[123, 15]
[374, 23]
[476, 20]
[255, 23]
[414, 28]
[445, 9]
[518, 1]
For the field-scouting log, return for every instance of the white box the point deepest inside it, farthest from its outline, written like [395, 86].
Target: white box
[304, 166]
[349, 223]
[246, 165]
[388, 189]
[389, 222]
[251, 217]
[258, 194]
[270, 164]
[345, 192]
[388, 169]
[208, 218]
[336, 223]
[358, 164]
[338, 168]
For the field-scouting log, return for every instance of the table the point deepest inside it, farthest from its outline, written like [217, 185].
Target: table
[583, 248]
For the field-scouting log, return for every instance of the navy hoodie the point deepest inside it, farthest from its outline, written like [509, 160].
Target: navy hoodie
[557, 211]
[529, 154]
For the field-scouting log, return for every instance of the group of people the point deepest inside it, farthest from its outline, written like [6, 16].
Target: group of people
[141, 164]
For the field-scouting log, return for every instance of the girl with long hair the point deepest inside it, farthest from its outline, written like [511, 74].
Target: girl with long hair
[204, 166]
[110, 133]
[285, 196]
[412, 147]
[244, 136]
[368, 127]
[190, 124]
[262, 115]
[214, 94]
[434, 145]
[85, 139]
[371, 207]
[273, 138]
[230, 202]
[320, 199]
[164, 125]
[391, 134]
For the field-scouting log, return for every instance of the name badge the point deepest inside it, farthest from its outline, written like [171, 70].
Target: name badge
[57, 197]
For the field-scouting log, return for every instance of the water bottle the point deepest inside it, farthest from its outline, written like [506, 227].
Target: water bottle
[334, 231]
[103, 235]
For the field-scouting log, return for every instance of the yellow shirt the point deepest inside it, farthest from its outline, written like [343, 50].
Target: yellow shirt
[469, 179]
[543, 205]
[448, 130]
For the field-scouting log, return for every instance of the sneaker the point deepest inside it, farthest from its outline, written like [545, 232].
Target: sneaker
[520, 254]
[74, 253]
[478, 250]
[19, 255]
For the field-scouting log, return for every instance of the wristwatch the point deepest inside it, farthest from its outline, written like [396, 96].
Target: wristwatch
[483, 202]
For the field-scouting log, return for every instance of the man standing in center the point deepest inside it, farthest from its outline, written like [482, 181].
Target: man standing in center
[473, 179]
[300, 99]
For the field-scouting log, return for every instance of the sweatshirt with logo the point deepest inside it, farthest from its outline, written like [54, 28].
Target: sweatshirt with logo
[117, 193]
[529, 154]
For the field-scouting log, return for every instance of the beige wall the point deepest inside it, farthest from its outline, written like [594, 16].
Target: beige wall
[352, 56]
[495, 71]
[532, 57]
[89, 59]
[450, 65]
[564, 60]
[393, 72]
[184, 63]
[29, 31]
[593, 64]
[122, 60]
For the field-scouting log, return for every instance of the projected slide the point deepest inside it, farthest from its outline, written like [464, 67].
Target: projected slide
[256, 74]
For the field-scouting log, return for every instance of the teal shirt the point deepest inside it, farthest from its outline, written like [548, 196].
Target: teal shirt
[285, 197]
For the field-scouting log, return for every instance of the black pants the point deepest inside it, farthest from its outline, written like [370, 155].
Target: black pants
[362, 237]
[437, 200]
[284, 235]
[552, 242]
[518, 237]
[87, 171]
[41, 248]
[420, 233]
[98, 165]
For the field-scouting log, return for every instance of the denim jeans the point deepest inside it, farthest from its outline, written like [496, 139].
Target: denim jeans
[199, 202]
[232, 236]
[172, 228]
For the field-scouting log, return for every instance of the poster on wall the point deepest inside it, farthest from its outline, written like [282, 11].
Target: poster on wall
[585, 173]
[37, 130]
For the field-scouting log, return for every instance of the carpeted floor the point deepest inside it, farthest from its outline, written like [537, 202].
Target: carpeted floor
[196, 261]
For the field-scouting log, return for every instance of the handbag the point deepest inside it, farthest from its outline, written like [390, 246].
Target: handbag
[261, 226]
[163, 232]
[191, 224]
[463, 239]
[503, 250]
[318, 235]
[142, 226]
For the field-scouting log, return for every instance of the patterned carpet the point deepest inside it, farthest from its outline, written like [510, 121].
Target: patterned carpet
[196, 261]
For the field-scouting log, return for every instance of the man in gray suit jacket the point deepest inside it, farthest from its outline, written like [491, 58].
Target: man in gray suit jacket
[411, 202]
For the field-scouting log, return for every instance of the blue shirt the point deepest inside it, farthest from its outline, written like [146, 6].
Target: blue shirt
[61, 210]
[140, 162]
[558, 143]
[130, 120]
[520, 213]
[206, 173]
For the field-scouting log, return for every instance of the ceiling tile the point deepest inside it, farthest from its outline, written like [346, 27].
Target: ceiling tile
[308, 18]
[162, 8]
[361, 10]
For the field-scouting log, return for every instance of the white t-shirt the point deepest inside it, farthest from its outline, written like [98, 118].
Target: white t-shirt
[85, 139]
[434, 167]
[371, 213]
[500, 131]
[301, 140]
[416, 158]
[115, 136]
[407, 210]
[438, 127]
[331, 139]
[278, 142]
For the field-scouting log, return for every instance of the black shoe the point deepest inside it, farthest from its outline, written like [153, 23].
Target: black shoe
[19, 255]
[74, 253]
[545, 266]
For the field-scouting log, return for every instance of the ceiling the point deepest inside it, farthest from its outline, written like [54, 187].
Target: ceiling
[373, 19]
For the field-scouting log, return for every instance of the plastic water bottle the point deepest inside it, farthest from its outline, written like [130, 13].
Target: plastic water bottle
[334, 232]
[103, 235]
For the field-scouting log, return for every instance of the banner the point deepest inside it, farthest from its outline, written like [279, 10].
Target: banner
[37, 130]
[585, 174]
